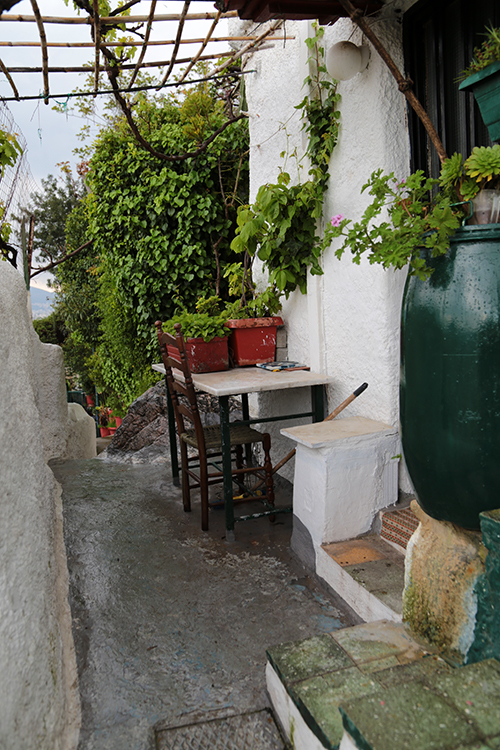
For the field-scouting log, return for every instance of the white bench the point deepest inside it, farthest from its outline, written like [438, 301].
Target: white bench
[346, 470]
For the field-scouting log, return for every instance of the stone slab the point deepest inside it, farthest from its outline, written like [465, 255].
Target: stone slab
[251, 380]
[318, 699]
[323, 434]
[382, 578]
[475, 691]
[408, 716]
[379, 640]
[300, 660]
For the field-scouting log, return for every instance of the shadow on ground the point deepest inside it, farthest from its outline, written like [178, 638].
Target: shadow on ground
[171, 624]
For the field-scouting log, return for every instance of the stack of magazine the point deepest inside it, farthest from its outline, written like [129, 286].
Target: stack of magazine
[285, 365]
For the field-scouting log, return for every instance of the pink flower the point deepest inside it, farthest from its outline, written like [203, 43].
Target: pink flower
[335, 220]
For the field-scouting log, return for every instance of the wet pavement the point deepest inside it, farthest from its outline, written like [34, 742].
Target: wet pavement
[171, 624]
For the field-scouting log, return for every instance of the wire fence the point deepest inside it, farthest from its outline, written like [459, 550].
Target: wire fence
[17, 183]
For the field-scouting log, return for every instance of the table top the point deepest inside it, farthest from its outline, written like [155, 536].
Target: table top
[251, 380]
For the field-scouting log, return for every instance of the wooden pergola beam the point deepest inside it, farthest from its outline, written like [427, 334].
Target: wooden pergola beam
[45, 55]
[178, 37]
[113, 20]
[203, 45]
[126, 66]
[248, 47]
[151, 42]
[97, 43]
[145, 42]
[8, 76]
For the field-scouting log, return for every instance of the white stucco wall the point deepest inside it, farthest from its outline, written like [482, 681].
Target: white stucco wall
[39, 703]
[348, 324]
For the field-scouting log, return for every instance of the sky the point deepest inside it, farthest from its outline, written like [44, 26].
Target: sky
[52, 136]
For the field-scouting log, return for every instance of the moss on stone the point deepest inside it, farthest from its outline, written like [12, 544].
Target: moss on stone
[417, 612]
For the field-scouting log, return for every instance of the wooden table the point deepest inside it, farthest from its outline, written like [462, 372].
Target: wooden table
[241, 381]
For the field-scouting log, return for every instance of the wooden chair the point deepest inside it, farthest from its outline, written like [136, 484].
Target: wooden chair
[206, 441]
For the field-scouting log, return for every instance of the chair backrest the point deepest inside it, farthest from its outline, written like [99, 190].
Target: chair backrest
[174, 355]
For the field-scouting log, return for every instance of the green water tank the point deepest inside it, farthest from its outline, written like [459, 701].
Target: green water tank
[450, 379]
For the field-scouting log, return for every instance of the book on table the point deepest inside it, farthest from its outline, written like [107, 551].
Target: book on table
[283, 365]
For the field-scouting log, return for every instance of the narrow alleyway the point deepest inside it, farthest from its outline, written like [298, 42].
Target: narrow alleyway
[171, 624]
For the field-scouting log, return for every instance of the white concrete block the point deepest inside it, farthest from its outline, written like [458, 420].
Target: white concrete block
[346, 470]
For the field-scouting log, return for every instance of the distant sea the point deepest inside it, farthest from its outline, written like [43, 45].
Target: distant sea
[41, 302]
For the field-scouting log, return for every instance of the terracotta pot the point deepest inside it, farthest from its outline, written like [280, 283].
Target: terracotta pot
[90, 400]
[112, 430]
[104, 431]
[118, 421]
[253, 340]
[204, 356]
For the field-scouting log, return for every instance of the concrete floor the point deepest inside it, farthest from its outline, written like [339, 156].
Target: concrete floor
[171, 624]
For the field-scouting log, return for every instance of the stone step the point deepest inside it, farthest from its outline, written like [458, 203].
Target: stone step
[398, 526]
[308, 680]
[368, 573]
[374, 687]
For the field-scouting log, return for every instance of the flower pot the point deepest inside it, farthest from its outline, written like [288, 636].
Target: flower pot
[450, 379]
[112, 430]
[104, 431]
[90, 400]
[486, 206]
[204, 356]
[485, 86]
[118, 421]
[253, 340]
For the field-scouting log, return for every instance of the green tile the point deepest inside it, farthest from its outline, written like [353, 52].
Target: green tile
[382, 578]
[422, 670]
[378, 640]
[378, 665]
[475, 691]
[407, 717]
[318, 700]
[313, 656]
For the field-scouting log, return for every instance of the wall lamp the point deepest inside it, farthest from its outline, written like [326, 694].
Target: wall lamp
[344, 60]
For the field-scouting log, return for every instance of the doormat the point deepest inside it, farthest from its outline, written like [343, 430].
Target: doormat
[398, 526]
[252, 731]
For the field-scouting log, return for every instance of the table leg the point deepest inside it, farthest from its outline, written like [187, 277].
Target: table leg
[172, 434]
[246, 415]
[318, 403]
[226, 466]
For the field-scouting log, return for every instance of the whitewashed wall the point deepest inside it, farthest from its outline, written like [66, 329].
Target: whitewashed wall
[39, 703]
[348, 324]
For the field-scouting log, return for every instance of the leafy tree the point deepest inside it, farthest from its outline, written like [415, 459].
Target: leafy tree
[162, 230]
[50, 209]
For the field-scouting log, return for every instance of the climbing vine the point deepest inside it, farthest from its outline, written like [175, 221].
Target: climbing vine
[281, 226]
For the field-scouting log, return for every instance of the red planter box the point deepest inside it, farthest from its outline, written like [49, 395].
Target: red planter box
[253, 340]
[204, 356]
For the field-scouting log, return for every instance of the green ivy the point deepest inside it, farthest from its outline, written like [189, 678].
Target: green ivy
[280, 227]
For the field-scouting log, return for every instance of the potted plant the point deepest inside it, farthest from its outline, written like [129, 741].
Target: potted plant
[482, 77]
[205, 335]
[103, 421]
[252, 319]
[450, 338]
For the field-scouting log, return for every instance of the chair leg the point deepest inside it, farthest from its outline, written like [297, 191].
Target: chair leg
[268, 469]
[186, 494]
[204, 491]
[239, 457]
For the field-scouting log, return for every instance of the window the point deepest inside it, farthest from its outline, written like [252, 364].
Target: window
[439, 37]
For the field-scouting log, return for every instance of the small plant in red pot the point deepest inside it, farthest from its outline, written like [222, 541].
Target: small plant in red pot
[205, 335]
[253, 323]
